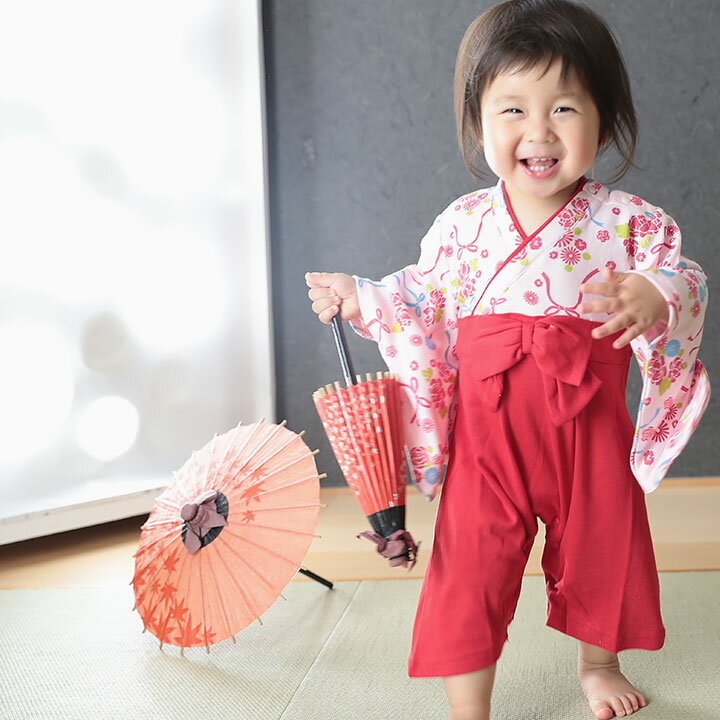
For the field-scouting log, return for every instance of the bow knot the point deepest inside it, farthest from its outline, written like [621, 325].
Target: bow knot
[200, 517]
[560, 347]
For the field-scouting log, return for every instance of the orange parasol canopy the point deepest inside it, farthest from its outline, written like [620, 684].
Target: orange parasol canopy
[227, 535]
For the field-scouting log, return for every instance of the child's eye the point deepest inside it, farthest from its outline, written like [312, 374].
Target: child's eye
[567, 108]
[512, 111]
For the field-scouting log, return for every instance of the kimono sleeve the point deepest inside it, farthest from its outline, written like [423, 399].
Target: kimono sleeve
[676, 386]
[411, 315]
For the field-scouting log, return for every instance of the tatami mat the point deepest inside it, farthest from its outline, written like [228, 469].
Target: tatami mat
[324, 654]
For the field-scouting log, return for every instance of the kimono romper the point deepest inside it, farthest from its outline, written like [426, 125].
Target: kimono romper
[503, 379]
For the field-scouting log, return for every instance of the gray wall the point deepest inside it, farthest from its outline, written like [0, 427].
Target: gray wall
[363, 156]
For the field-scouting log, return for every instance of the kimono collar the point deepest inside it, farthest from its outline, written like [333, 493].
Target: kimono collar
[519, 251]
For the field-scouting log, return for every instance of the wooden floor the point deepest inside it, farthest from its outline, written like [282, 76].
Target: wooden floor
[683, 517]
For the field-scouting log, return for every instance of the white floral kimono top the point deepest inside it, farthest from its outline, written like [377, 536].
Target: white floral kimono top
[475, 260]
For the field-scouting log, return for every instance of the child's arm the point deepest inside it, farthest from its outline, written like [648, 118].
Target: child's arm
[676, 386]
[411, 315]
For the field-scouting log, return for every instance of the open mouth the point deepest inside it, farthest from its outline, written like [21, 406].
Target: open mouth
[539, 164]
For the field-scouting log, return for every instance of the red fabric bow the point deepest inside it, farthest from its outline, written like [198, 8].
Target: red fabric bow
[561, 351]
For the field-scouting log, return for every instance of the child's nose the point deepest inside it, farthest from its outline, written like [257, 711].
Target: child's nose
[538, 130]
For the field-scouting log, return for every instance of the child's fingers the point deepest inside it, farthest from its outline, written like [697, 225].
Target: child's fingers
[319, 279]
[320, 293]
[322, 305]
[326, 315]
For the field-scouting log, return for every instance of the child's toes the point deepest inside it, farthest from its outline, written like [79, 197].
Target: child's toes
[601, 709]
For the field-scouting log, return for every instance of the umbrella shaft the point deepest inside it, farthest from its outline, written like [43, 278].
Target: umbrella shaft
[341, 345]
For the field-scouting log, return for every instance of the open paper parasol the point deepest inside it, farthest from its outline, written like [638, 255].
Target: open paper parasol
[362, 423]
[227, 535]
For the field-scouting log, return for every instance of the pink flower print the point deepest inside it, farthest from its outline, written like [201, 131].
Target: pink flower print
[468, 288]
[437, 298]
[553, 254]
[536, 243]
[414, 365]
[675, 369]
[647, 400]
[437, 393]
[670, 409]
[567, 217]
[570, 256]
[445, 372]
[463, 272]
[695, 309]
[670, 232]
[437, 459]
[484, 253]
[656, 368]
[640, 226]
[472, 202]
[530, 297]
[635, 200]
[659, 434]
[538, 283]
[616, 211]
[427, 425]
[419, 456]
[416, 340]
[603, 236]
[580, 205]
[391, 350]
[402, 314]
[566, 239]
[429, 316]
[630, 245]
[448, 250]
[640, 257]
[611, 264]
[648, 457]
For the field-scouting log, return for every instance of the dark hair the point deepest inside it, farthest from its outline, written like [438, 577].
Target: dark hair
[521, 34]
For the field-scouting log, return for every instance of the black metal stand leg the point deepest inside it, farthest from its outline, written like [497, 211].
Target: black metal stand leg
[312, 575]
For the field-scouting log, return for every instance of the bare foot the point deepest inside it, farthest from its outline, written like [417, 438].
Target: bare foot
[608, 690]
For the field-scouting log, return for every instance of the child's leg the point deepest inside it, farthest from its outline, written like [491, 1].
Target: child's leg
[469, 694]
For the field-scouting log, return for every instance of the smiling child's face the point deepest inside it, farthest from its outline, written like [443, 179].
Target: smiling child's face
[526, 116]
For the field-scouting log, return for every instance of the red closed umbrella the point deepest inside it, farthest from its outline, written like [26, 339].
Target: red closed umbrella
[362, 422]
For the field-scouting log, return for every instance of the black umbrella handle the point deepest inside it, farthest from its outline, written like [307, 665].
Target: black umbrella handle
[341, 346]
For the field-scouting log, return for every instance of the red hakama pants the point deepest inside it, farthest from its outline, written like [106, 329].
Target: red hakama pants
[542, 430]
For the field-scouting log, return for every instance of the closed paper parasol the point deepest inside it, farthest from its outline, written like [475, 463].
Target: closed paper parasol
[227, 535]
[362, 422]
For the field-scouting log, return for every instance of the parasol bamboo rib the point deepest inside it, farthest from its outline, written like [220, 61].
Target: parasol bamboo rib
[356, 445]
[358, 397]
[246, 598]
[218, 592]
[277, 452]
[167, 617]
[387, 475]
[256, 451]
[261, 578]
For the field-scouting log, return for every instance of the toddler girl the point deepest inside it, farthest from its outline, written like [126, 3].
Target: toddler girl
[517, 381]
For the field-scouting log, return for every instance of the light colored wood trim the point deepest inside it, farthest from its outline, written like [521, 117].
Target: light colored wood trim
[683, 516]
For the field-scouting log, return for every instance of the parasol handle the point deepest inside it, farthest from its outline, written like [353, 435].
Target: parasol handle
[341, 346]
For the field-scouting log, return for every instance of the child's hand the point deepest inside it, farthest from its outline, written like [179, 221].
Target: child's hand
[636, 301]
[331, 292]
